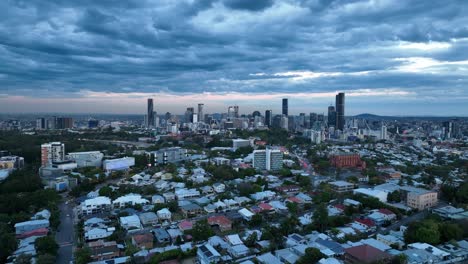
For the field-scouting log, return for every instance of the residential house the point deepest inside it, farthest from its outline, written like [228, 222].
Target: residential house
[148, 218]
[221, 221]
[95, 205]
[341, 186]
[131, 222]
[101, 250]
[158, 199]
[129, 200]
[191, 210]
[206, 254]
[365, 254]
[246, 214]
[164, 214]
[219, 187]
[162, 236]
[27, 226]
[144, 240]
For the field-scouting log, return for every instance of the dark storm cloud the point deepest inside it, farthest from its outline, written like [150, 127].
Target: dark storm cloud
[248, 4]
[59, 47]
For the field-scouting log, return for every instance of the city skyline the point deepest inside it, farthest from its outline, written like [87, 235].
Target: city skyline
[390, 58]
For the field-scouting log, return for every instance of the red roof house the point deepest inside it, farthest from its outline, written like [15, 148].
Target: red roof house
[365, 254]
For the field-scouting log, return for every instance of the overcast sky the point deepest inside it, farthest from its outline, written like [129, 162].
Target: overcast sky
[390, 57]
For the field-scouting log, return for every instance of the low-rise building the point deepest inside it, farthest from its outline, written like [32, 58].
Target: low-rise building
[164, 214]
[207, 254]
[183, 194]
[95, 205]
[365, 254]
[101, 250]
[118, 164]
[191, 210]
[418, 198]
[87, 159]
[148, 218]
[221, 221]
[129, 200]
[27, 226]
[341, 186]
[131, 223]
[144, 241]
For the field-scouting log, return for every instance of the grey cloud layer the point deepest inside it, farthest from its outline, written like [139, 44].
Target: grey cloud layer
[58, 47]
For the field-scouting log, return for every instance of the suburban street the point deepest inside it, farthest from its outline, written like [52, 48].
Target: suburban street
[65, 233]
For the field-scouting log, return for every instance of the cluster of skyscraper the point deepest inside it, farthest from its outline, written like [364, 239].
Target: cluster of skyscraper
[232, 119]
[54, 122]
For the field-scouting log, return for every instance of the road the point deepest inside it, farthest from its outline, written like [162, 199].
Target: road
[65, 233]
[307, 167]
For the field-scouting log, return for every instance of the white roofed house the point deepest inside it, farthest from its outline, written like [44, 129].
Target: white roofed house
[246, 214]
[158, 199]
[129, 200]
[207, 254]
[263, 195]
[236, 247]
[95, 205]
[131, 222]
[183, 194]
[164, 214]
[219, 187]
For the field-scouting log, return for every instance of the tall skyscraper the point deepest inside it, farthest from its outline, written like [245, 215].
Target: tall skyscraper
[268, 118]
[331, 116]
[150, 114]
[41, 123]
[52, 152]
[233, 111]
[201, 115]
[285, 106]
[189, 115]
[383, 132]
[312, 119]
[340, 111]
[63, 122]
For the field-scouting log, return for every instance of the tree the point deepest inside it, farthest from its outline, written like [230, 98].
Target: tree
[46, 245]
[256, 220]
[202, 230]
[292, 207]
[105, 191]
[83, 255]
[320, 217]
[251, 240]
[449, 231]
[7, 242]
[23, 259]
[426, 231]
[46, 259]
[312, 255]
[394, 196]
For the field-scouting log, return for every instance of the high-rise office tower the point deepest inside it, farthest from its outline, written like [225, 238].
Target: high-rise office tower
[52, 152]
[285, 106]
[63, 122]
[447, 129]
[320, 118]
[313, 118]
[233, 111]
[201, 115]
[150, 113]
[383, 132]
[268, 118]
[189, 115]
[301, 121]
[41, 123]
[340, 111]
[331, 116]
